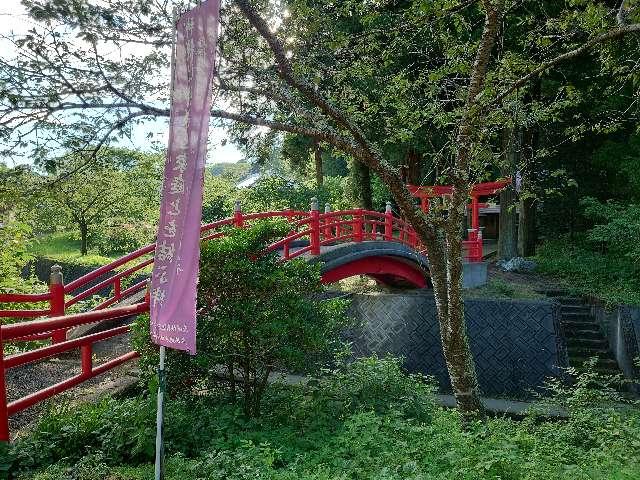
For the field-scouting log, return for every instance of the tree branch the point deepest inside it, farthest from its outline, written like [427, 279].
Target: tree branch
[611, 35]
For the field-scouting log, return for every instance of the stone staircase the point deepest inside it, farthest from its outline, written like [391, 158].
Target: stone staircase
[584, 336]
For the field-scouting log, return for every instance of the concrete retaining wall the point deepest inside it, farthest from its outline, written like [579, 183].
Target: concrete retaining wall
[517, 344]
[622, 328]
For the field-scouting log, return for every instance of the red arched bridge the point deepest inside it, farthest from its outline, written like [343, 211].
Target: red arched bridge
[348, 242]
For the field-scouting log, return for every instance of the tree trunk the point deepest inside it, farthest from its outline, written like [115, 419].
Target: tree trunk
[527, 228]
[411, 171]
[445, 268]
[317, 158]
[508, 235]
[453, 331]
[232, 380]
[362, 183]
[84, 233]
[527, 234]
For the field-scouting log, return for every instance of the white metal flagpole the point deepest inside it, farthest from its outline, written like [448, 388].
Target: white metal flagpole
[162, 385]
[162, 379]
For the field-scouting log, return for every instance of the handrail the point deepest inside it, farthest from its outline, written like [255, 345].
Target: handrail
[24, 297]
[16, 330]
[328, 220]
[31, 356]
[108, 268]
[355, 225]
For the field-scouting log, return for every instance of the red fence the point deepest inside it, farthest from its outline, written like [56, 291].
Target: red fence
[318, 228]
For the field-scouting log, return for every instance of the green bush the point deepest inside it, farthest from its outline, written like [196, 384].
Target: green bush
[616, 229]
[278, 193]
[118, 236]
[218, 198]
[604, 262]
[15, 238]
[332, 429]
[255, 317]
[608, 276]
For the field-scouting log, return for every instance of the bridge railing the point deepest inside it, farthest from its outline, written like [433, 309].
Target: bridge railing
[18, 331]
[310, 231]
[317, 228]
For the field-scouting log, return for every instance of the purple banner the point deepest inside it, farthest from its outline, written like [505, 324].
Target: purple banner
[177, 255]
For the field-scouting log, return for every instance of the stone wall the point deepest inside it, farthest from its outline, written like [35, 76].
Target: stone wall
[622, 328]
[517, 344]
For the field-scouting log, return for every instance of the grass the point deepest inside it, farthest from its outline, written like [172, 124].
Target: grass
[610, 277]
[63, 247]
[497, 288]
[365, 421]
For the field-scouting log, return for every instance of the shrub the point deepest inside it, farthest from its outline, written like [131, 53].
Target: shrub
[332, 429]
[119, 236]
[219, 196]
[256, 316]
[617, 227]
[607, 276]
[278, 193]
[14, 254]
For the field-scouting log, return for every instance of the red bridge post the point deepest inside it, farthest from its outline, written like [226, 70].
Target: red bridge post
[238, 220]
[358, 234]
[315, 227]
[388, 223]
[4, 415]
[327, 230]
[56, 289]
[480, 251]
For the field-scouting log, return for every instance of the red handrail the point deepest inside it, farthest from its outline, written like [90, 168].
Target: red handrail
[17, 330]
[354, 225]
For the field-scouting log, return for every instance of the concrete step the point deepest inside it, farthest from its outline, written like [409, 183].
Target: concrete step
[576, 317]
[583, 309]
[580, 324]
[583, 333]
[582, 352]
[570, 300]
[553, 292]
[603, 364]
[598, 342]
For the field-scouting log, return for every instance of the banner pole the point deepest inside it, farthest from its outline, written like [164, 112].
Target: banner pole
[162, 386]
[162, 382]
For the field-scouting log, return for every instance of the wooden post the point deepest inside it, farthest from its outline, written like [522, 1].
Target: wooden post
[117, 288]
[424, 204]
[388, 223]
[56, 290]
[147, 294]
[238, 219]
[480, 252]
[315, 227]
[475, 213]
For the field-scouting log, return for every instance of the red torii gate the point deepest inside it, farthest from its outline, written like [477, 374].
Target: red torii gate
[474, 242]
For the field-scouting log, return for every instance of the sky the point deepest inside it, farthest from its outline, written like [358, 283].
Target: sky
[13, 18]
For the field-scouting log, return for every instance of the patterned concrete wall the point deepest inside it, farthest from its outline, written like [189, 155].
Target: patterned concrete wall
[516, 344]
[622, 327]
